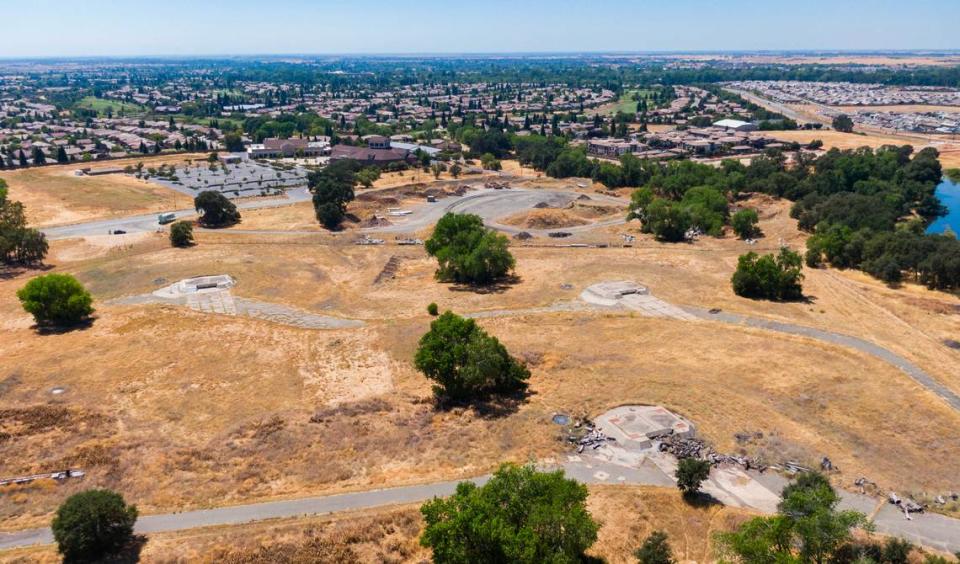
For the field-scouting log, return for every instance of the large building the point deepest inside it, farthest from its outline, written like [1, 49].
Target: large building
[273, 148]
[735, 125]
[378, 152]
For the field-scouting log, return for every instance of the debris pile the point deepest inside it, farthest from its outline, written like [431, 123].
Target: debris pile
[497, 185]
[408, 241]
[593, 439]
[523, 236]
[907, 505]
[692, 447]
[59, 476]
[367, 240]
[559, 234]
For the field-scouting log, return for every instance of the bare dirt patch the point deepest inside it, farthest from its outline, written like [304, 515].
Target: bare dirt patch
[54, 195]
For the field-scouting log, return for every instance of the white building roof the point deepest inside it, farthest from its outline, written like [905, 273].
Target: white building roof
[731, 123]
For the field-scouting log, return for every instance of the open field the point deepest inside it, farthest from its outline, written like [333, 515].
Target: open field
[146, 415]
[901, 108]
[949, 150]
[102, 105]
[54, 195]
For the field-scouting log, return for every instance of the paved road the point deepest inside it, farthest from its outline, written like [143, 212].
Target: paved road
[487, 203]
[934, 531]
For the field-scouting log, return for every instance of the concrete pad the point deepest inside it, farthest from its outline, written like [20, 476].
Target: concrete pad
[634, 297]
[636, 424]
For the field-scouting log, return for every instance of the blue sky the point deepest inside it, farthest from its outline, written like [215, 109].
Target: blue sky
[215, 27]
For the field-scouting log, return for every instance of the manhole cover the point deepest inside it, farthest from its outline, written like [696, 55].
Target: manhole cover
[561, 419]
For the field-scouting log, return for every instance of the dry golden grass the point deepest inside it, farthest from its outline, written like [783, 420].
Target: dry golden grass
[949, 150]
[901, 108]
[180, 409]
[54, 195]
[629, 514]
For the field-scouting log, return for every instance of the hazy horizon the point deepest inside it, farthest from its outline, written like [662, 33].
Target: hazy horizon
[178, 28]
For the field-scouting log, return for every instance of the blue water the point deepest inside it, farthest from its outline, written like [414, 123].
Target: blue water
[949, 194]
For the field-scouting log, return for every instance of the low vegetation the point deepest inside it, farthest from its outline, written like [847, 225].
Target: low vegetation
[467, 252]
[56, 300]
[215, 209]
[466, 363]
[769, 277]
[520, 515]
[93, 524]
[655, 550]
[181, 234]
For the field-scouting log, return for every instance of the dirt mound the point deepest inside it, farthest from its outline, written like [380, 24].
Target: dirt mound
[586, 210]
[545, 219]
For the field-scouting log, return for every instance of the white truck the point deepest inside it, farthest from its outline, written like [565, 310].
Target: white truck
[165, 218]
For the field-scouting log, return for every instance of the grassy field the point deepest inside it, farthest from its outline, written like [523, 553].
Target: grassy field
[628, 102]
[54, 195]
[103, 105]
[145, 414]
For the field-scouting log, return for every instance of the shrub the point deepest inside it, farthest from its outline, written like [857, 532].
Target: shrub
[433, 310]
[56, 299]
[744, 223]
[215, 209]
[521, 515]
[181, 234]
[691, 472]
[769, 277]
[655, 550]
[465, 362]
[467, 252]
[92, 524]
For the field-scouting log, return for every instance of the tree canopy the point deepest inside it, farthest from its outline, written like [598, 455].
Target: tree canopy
[770, 277]
[332, 189]
[92, 524]
[467, 252]
[18, 243]
[465, 363]
[215, 209]
[521, 515]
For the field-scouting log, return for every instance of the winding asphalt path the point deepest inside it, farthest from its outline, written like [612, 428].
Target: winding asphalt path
[934, 531]
[489, 204]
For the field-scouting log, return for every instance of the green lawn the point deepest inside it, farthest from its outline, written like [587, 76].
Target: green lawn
[101, 106]
[628, 102]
